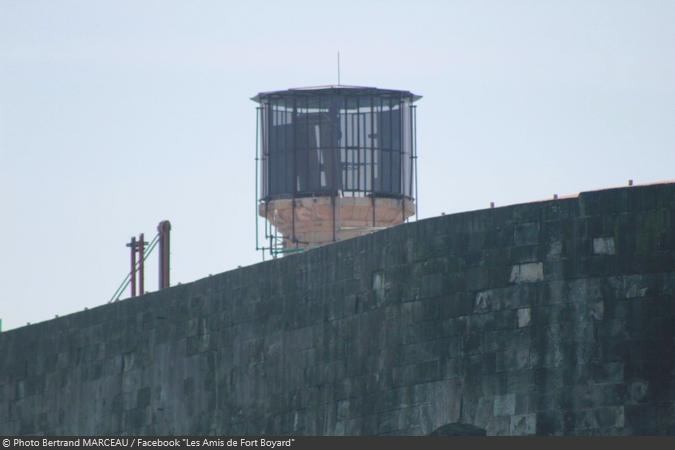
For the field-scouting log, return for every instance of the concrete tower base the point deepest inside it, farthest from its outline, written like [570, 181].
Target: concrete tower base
[318, 221]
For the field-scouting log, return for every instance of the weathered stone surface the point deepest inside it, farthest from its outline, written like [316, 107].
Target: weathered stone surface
[604, 246]
[527, 273]
[550, 318]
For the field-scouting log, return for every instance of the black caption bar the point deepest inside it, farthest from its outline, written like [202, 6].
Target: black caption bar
[349, 442]
[145, 442]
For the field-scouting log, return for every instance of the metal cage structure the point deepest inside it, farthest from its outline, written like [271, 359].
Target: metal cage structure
[334, 145]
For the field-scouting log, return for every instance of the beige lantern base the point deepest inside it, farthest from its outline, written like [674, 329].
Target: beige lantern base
[315, 216]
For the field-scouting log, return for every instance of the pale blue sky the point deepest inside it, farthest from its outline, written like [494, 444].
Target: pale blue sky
[116, 115]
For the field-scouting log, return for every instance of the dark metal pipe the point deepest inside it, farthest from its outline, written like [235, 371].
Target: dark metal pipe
[164, 229]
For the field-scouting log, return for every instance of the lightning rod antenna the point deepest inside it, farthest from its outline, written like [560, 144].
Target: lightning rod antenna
[338, 68]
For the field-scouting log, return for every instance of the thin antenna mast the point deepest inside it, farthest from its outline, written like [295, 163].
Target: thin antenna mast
[338, 68]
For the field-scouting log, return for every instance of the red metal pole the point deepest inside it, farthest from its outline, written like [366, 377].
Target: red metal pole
[164, 229]
[141, 260]
[133, 266]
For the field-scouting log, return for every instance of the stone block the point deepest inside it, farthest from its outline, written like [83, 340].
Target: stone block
[498, 426]
[422, 352]
[554, 251]
[396, 420]
[526, 403]
[524, 254]
[527, 273]
[521, 381]
[590, 419]
[511, 360]
[604, 373]
[523, 425]
[455, 306]
[526, 233]
[549, 423]
[428, 371]
[476, 278]
[503, 237]
[472, 343]
[432, 285]
[143, 397]
[350, 408]
[432, 330]
[483, 412]
[641, 420]
[454, 368]
[524, 317]
[504, 405]
[604, 246]
[131, 381]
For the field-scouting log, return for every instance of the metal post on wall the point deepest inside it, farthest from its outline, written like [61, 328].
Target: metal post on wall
[137, 273]
[414, 149]
[141, 261]
[164, 229]
[136, 276]
[133, 244]
[372, 155]
[258, 120]
[295, 169]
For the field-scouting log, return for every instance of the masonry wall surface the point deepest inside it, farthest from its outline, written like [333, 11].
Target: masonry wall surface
[554, 317]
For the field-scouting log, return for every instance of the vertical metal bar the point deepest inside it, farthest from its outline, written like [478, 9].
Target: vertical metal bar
[358, 143]
[332, 117]
[401, 164]
[415, 153]
[273, 126]
[133, 266]
[331, 155]
[339, 208]
[257, 159]
[391, 144]
[344, 146]
[264, 125]
[140, 249]
[321, 163]
[269, 110]
[161, 256]
[141, 262]
[264, 119]
[372, 154]
[164, 229]
[412, 160]
[295, 180]
[167, 254]
[274, 254]
[332, 202]
[308, 166]
[288, 146]
[354, 151]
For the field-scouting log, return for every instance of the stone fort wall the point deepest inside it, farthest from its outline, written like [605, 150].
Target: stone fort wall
[555, 317]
